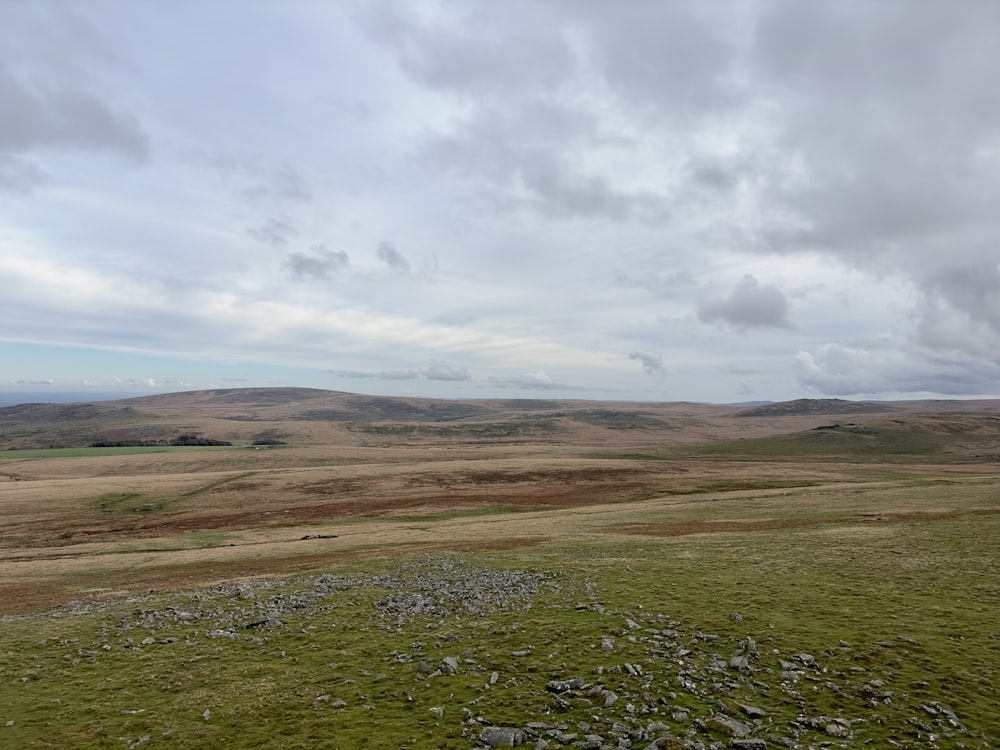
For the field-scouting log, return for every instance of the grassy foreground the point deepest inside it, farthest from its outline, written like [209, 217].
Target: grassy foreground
[877, 635]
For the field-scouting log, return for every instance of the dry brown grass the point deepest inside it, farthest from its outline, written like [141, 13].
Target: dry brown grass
[110, 522]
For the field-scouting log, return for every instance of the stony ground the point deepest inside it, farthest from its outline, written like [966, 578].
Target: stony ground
[581, 673]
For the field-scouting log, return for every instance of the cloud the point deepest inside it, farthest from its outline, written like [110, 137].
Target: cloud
[533, 156]
[39, 121]
[319, 263]
[47, 381]
[388, 254]
[39, 118]
[881, 367]
[439, 370]
[749, 305]
[405, 375]
[435, 370]
[652, 364]
[531, 381]
[274, 232]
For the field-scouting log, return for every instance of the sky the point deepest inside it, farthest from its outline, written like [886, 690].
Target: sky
[661, 200]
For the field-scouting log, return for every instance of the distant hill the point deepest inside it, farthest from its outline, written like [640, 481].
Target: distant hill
[313, 416]
[808, 406]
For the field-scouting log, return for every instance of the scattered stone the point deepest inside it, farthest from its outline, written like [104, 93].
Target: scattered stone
[502, 736]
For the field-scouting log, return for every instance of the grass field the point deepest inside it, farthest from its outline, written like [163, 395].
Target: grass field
[782, 589]
[116, 451]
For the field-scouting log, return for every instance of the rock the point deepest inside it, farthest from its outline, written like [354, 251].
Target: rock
[449, 665]
[750, 744]
[723, 723]
[501, 736]
[207, 715]
[563, 686]
[437, 711]
[607, 644]
[836, 730]
[752, 711]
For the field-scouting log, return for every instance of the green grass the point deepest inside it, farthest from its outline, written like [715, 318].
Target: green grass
[912, 606]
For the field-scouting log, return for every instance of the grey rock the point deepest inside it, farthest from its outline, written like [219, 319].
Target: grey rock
[723, 723]
[752, 711]
[502, 736]
[748, 744]
[836, 730]
[564, 686]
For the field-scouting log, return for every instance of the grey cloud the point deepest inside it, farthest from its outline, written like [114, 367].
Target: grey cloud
[319, 263]
[674, 58]
[888, 115]
[526, 155]
[388, 254]
[532, 381]
[438, 370]
[405, 375]
[651, 363]
[470, 51]
[749, 305]
[38, 121]
[62, 119]
[971, 289]
[274, 232]
[837, 369]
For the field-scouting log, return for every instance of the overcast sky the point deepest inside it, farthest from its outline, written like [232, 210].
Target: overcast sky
[641, 199]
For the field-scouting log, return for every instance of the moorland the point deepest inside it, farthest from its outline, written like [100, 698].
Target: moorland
[359, 571]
